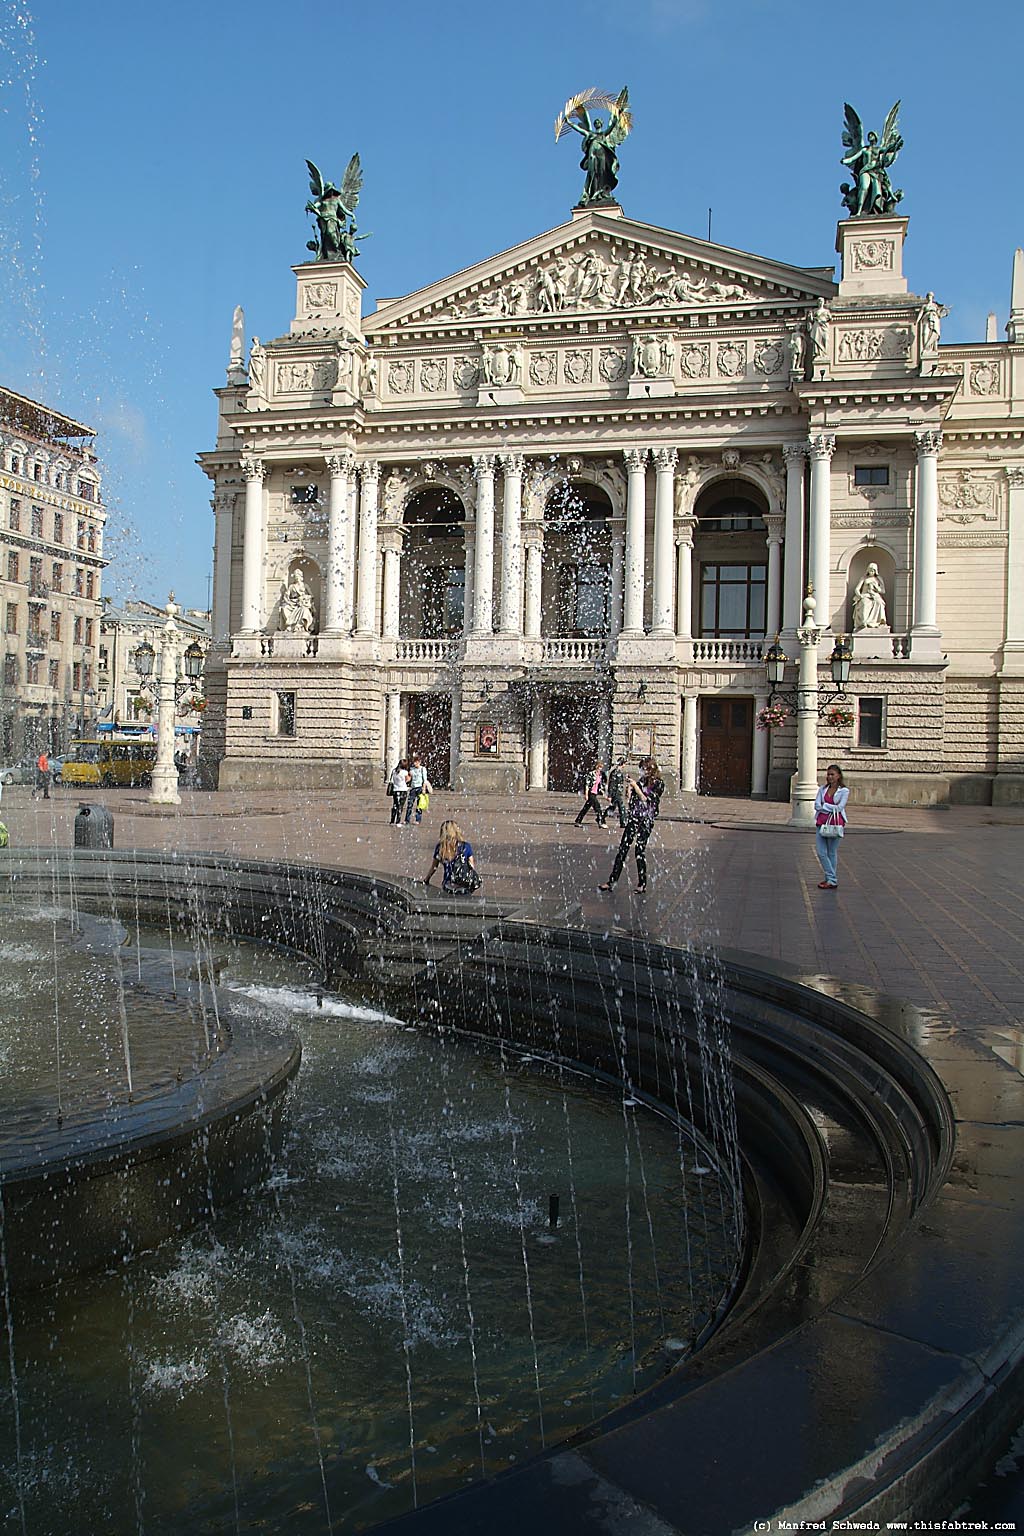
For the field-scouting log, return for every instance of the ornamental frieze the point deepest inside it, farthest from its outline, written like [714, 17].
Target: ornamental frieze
[967, 498]
[695, 360]
[434, 374]
[872, 344]
[731, 359]
[984, 378]
[543, 369]
[577, 367]
[400, 377]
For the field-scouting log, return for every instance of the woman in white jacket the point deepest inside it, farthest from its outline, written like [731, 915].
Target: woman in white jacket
[829, 814]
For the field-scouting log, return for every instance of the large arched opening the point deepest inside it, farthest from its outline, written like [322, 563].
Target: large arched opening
[432, 595]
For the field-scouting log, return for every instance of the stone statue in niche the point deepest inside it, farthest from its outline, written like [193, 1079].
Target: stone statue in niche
[368, 376]
[796, 346]
[297, 613]
[817, 335]
[869, 601]
[929, 327]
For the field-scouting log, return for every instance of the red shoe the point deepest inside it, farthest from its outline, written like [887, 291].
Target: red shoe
[825, 885]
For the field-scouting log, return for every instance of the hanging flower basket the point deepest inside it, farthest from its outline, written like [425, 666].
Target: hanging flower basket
[141, 706]
[197, 703]
[839, 716]
[773, 716]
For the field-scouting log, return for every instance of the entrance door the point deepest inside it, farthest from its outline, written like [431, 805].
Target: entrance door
[726, 746]
[572, 739]
[430, 734]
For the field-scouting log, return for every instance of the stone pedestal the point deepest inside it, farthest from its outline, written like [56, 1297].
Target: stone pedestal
[329, 298]
[871, 256]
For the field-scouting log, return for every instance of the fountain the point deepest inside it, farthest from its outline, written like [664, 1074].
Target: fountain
[546, 1217]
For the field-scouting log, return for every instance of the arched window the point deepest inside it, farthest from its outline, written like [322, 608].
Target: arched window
[732, 554]
[433, 586]
[576, 517]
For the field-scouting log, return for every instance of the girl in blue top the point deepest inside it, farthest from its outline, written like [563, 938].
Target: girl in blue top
[455, 855]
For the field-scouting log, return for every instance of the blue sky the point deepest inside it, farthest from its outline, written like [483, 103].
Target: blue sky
[153, 177]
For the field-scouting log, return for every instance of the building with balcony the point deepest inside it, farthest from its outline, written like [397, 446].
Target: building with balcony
[552, 506]
[51, 567]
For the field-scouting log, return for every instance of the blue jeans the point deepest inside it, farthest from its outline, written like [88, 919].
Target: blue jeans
[828, 856]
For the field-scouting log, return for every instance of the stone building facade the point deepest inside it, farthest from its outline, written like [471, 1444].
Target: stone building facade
[51, 568]
[551, 507]
[123, 697]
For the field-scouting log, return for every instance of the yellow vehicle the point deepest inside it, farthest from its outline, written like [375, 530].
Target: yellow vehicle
[109, 762]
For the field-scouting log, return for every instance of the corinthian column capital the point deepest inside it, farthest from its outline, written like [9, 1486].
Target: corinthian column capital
[636, 458]
[822, 445]
[253, 469]
[340, 463]
[512, 463]
[928, 442]
[665, 458]
[483, 465]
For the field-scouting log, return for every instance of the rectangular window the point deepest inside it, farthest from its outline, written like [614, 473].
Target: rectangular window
[78, 582]
[732, 600]
[14, 519]
[92, 540]
[90, 583]
[871, 474]
[88, 631]
[58, 528]
[305, 495]
[57, 576]
[12, 567]
[76, 676]
[31, 671]
[35, 576]
[88, 675]
[37, 522]
[15, 464]
[54, 673]
[78, 629]
[870, 722]
[10, 670]
[11, 619]
[37, 472]
[54, 626]
[286, 714]
[85, 489]
[81, 536]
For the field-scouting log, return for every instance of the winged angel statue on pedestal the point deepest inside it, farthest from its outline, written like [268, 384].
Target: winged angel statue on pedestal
[599, 143]
[334, 211]
[871, 191]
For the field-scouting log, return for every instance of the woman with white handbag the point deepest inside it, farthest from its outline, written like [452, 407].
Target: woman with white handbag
[830, 824]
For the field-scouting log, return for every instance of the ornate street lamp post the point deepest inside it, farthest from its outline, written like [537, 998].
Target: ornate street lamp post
[170, 688]
[811, 701]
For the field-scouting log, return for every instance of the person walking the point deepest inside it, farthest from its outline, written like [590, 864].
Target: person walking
[617, 789]
[830, 824]
[643, 804]
[594, 785]
[455, 855]
[43, 776]
[419, 784]
[399, 790]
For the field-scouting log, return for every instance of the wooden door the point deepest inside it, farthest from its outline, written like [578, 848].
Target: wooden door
[572, 740]
[429, 734]
[726, 746]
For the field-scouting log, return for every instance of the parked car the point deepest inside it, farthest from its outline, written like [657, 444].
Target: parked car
[19, 773]
[56, 768]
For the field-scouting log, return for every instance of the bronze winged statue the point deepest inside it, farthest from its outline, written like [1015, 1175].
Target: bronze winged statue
[869, 159]
[599, 141]
[334, 211]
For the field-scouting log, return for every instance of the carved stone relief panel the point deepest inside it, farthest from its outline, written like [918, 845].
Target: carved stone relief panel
[612, 365]
[984, 378]
[434, 374]
[400, 377]
[296, 378]
[872, 255]
[578, 367]
[543, 369]
[967, 497]
[769, 357]
[731, 359]
[695, 360]
[872, 344]
[317, 296]
[465, 373]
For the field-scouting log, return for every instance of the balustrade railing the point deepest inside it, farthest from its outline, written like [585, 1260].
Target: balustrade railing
[585, 651]
[733, 651]
[424, 650]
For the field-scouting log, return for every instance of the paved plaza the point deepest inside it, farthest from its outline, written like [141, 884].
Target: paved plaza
[929, 906]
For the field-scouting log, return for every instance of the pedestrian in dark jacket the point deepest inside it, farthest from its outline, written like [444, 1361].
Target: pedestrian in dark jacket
[592, 788]
[642, 807]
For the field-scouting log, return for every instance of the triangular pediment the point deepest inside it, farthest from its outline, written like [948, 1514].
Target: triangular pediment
[602, 263]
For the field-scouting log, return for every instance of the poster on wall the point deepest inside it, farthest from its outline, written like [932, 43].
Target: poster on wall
[641, 741]
[487, 741]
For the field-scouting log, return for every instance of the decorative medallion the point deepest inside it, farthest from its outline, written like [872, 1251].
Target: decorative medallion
[732, 359]
[872, 255]
[984, 378]
[578, 367]
[317, 296]
[465, 373]
[971, 497]
[612, 365]
[433, 374]
[768, 357]
[543, 368]
[399, 377]
[696, 360]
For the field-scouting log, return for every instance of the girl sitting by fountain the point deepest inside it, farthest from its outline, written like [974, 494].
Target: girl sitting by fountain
[455, 855]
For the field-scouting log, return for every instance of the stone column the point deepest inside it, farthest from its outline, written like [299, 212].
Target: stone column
[636, 515]
[688, 780]
[926, 532]
[1013, 645]
[469, 566]
[793, 563]
[664, 506]
[684, 577]
[511, 545]
[392, 545]
[351, 541]
[821, 447]
[366, 616]
[454, 752]
[618, 561]
[392, 731]
[252, 550]
[534, 541]
[483, 582]
[536, 746]
[759, 765]
[223, 512]
[773, 599]
[339, 467]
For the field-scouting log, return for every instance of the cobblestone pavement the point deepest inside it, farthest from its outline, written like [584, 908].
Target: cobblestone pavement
[929, 906]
